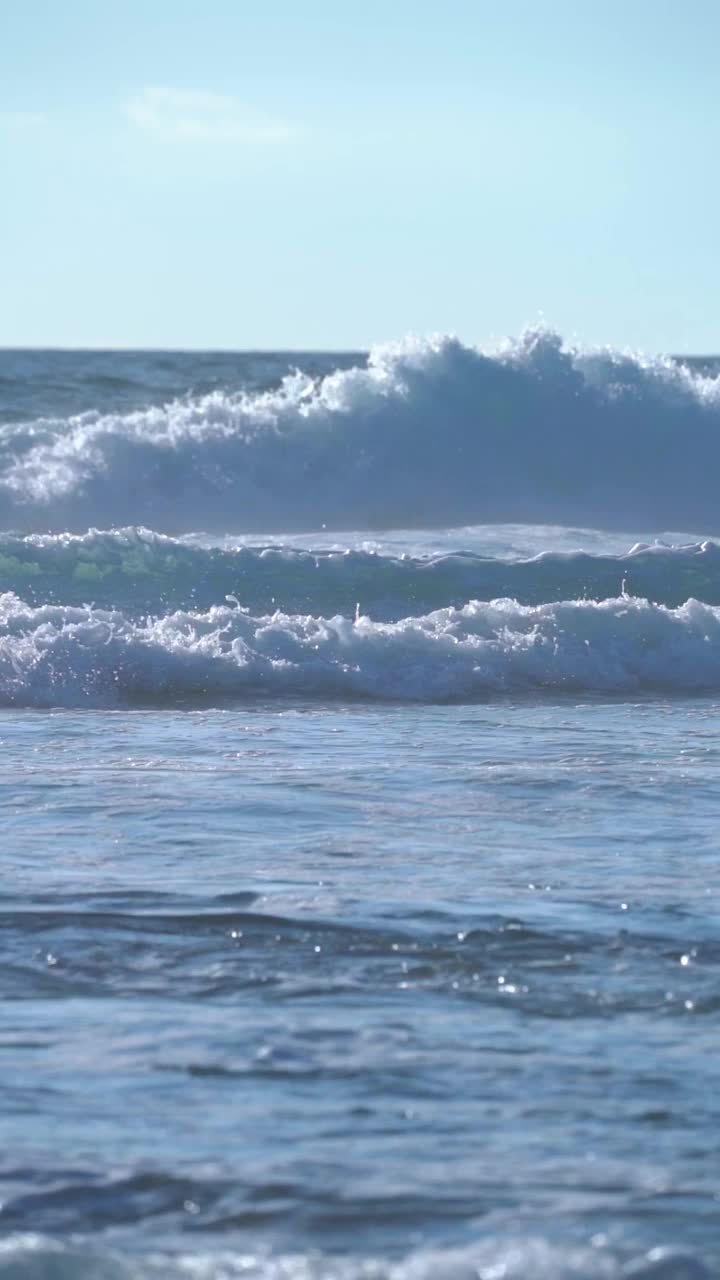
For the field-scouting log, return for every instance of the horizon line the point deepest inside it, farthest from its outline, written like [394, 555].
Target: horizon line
[278, 351]
[218, 351]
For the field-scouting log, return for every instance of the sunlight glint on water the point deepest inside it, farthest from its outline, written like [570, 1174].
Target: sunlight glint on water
[360, 898]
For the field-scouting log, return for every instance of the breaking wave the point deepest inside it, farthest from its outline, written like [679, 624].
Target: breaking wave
[53, 655]
[427, 433]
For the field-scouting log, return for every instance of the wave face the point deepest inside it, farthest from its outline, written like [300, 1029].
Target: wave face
[59, 655]
[142, 572]
[427, 433]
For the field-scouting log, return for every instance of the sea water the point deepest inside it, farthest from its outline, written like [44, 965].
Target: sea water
[360, 881]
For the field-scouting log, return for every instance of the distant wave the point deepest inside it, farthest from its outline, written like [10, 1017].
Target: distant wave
[428, 433]
[81, 656]
[141, 572]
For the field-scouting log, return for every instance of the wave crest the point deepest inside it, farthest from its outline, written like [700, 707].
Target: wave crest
[79, 656]
[428, 432]
[139, 571]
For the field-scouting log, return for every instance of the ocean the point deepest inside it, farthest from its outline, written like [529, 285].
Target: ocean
[360, 810]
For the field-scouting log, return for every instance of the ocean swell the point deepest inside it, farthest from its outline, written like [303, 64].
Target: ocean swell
[140, 572]
[427, 433]
[55, 655]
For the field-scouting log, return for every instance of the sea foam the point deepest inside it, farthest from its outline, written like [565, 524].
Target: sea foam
[31, 1257]
[429, 432]
[82, 656]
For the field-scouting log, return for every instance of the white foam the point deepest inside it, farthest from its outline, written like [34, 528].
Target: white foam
[32, 1257]
[428, 433]
[56, 655]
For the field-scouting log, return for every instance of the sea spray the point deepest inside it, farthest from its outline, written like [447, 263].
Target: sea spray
[82, 656]
[428, 432]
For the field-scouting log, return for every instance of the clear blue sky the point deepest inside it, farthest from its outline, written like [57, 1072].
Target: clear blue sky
[313, 173]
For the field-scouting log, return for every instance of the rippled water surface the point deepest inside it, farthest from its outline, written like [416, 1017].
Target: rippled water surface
[359, 902]
[340, 977]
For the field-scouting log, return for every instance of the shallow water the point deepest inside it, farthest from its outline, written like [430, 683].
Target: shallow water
[376, 979]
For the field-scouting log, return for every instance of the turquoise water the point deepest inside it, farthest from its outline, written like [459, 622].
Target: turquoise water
[364, 923]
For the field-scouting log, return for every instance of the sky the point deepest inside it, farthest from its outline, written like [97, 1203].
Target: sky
[320, 174]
